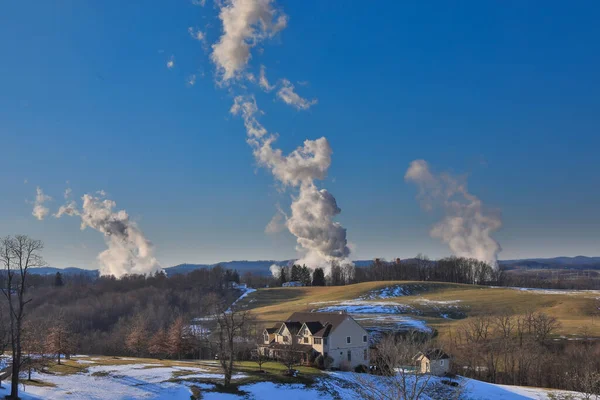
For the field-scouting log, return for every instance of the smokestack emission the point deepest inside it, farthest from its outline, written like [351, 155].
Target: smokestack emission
[128, 251]
[466, 227]
[320, 239]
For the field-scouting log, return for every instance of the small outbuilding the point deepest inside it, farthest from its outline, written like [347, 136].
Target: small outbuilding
[433, 361]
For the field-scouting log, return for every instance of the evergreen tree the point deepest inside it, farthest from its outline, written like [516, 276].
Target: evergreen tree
[305, 275]
[318, 277]
[58, 280]
[282, 277]
[295, 273]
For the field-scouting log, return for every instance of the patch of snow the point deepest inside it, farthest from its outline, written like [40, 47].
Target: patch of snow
[392, 291]
[441, 302]
[85, 362]
[247, 291]
[383, 323]
[549, 291]
[132, 381]
[364, 307]
[270, 390]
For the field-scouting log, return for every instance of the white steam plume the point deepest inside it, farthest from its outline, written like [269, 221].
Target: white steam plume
[466, 228]
[245, 24]
[320, 239]
[291, 98]
[128, 252]
[40, 211]
[263, 81]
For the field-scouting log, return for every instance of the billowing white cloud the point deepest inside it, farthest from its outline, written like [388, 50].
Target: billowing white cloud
[128, 251]
[245, 24]
[40, 211]
[466, 227]
[320, 239]
[291, 98]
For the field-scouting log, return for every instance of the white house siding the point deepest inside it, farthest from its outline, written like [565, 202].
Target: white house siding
[338, 347]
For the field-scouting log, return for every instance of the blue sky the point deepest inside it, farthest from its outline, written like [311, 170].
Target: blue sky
[504, 92]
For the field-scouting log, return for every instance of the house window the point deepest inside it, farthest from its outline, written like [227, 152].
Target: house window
[348, 340]
[349, 356]
[442, 362]
[318, 340]
[286, 339]
[365, 339]
[266, 337]
[305, 339]
[365, 354]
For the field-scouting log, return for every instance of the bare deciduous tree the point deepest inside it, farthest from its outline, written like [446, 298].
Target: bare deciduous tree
[157, 345]
[396, 360]
[231, 325]
[179, 338]
[136, 340]
[60, 341]
[18, 254]
[259, 356]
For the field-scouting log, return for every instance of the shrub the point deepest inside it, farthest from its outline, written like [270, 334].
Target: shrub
[361, 369]
[323, 362]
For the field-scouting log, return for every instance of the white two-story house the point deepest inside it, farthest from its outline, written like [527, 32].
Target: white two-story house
[336, 335]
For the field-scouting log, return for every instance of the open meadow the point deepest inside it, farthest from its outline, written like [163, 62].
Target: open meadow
[423, 305]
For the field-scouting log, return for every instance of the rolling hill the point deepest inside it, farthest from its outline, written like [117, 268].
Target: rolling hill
[425, 305]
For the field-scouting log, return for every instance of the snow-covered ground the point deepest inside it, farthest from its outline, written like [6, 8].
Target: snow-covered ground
[367, 307]
[127, 381]
[550, 291]
[246, 292]
[393, 291]
[151, 381]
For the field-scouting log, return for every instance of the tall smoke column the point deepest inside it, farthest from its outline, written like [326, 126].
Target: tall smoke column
[128, 252]
[321, 239]
[245, 24]
[465, 228]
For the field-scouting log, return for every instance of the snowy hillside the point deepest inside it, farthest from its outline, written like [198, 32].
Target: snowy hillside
[152, 379]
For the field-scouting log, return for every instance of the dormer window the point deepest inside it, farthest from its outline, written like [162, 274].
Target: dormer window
[266, 337]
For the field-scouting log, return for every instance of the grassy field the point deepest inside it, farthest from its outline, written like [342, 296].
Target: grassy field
[575, 311]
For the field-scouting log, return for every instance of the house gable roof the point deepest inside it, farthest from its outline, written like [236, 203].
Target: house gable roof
[319, 324]
[434, 354]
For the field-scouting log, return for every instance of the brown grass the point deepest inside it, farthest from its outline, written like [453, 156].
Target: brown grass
[574, 311]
